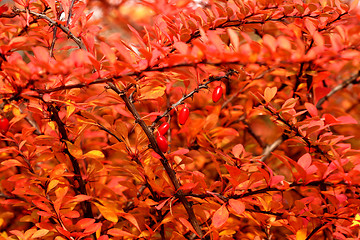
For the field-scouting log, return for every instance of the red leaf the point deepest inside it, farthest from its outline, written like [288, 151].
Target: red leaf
[276, 179]
[183, 48]
[188, 186]
[84, 223]
[330, 119]
[103, 237]
[63, 231]
[311, 109]
[310, 26]
[108, 52]
[347, 120]
[92, 228]
[220, 216]
[141, 41]
[320, 92]
[66, 6]
[305, 161]
[237, 205]
[72, 214]
[188, 225]
[181, 151]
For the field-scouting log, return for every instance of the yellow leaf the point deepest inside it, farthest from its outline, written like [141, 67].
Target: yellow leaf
[107, 213]
[151, 92]
[74, 150]
[69, 110]
[301, 234]
[52, 184]
[227, 232]
[356, 221]
[94, 154]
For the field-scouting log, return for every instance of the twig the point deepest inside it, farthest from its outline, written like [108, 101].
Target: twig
[270, 148]
[189, 95]
[53, 42]
[352, 80]
[171, 173]
[70, 13]
[314, 231]
[78, 176]
[53, 23]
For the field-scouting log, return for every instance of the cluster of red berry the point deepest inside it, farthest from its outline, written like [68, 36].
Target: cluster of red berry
[182, 117]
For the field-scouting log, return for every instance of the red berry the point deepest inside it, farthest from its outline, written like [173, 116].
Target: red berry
[183, 115]
[162, 143]
[217, 93]
[163, 128]
[4, 125]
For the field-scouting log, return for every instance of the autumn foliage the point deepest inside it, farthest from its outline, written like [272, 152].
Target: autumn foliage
[257, 104]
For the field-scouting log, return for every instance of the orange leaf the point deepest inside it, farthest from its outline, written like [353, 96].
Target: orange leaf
[92, 228]
[238, 150]
[40, 233]
[269, 93]
[220, 217]
[72, 214]
[119, 233]
[12, 163]
[151, 92]
[301, 234]
[107, 213]
[85, 222]
[131, 219]
[74, 150]
[234, 38]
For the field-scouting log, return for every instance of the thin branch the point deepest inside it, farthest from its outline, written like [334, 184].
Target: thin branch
[130, 74]
[53, 42]
[314, 231]
[76, 167]
[6, 15]
[53, 23]
[353, 80]
[171, 173]
[70, 12]
[191, 94]
[270, 148]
